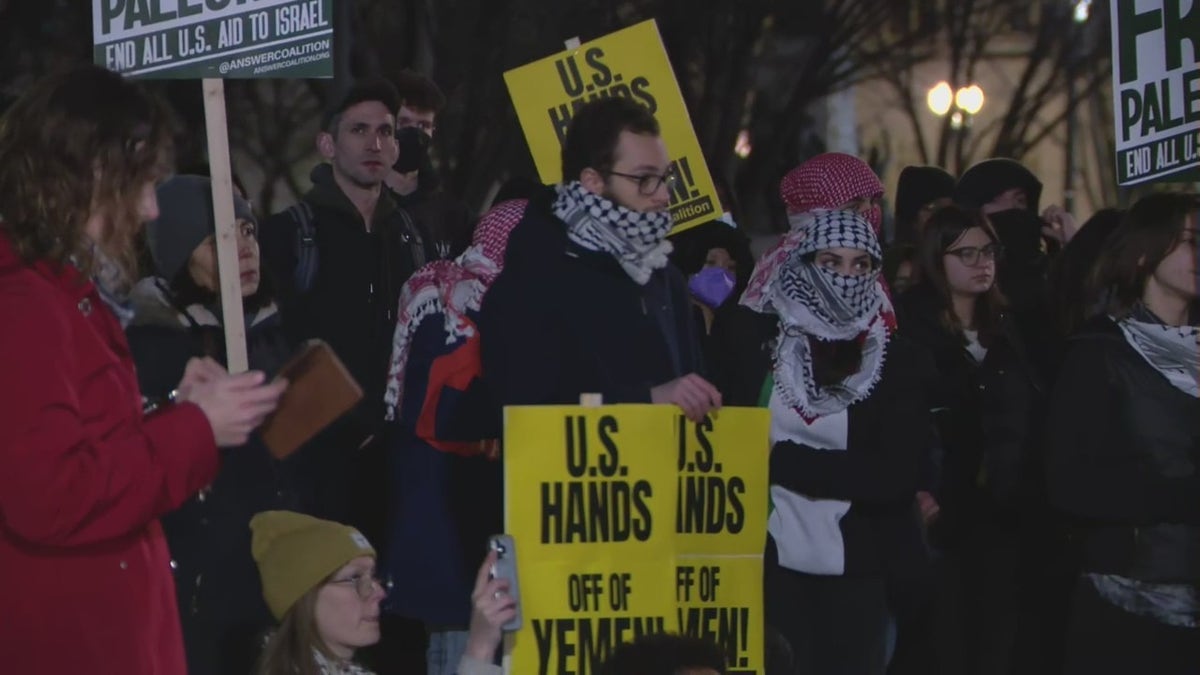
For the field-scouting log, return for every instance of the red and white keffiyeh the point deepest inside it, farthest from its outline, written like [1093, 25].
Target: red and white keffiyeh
[830, 181]
[814, 303]
[451, 287]
[766, 273]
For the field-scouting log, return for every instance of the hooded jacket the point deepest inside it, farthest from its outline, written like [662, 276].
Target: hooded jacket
[352, 302]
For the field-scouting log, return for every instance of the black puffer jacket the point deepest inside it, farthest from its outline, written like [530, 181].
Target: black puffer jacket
[988, 417]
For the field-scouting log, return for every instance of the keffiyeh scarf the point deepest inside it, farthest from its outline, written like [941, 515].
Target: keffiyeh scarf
[636, 240]
[830, 181]
[452, 287]
[760, 290]
[1173, 351]
[815, 303]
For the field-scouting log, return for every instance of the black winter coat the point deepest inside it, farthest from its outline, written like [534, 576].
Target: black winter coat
[352, 302]
[221, 607]
[1124, 460]
[988, 418]
[561, 321]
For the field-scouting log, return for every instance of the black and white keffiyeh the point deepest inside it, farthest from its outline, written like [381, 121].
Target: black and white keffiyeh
[1173, 351]
[840, 229]
[822, 304]
[637, 240]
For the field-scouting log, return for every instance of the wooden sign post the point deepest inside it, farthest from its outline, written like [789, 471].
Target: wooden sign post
[271, 38]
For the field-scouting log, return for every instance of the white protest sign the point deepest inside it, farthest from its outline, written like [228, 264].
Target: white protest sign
[212, 40]
[1156, 88]
[193, 39]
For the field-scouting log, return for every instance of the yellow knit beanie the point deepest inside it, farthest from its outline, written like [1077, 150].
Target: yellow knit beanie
[296, 552]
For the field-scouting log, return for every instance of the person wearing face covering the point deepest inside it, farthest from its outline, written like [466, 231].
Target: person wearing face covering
[1008, 194]
[740, 337]
[849, 431]
[717, 261]
[833, 180]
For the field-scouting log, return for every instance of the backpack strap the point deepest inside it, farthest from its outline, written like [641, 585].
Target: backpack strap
[304, 217]
[411, 235]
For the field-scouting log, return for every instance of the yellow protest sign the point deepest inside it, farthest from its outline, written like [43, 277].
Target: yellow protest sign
[713, 604]
[633, 63]
[630, 520]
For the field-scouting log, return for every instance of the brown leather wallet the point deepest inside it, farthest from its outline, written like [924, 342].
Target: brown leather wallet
[320, 390]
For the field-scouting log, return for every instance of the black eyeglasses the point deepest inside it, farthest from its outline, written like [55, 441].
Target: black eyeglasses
[970, 255]
[364, 584]
[649, 183]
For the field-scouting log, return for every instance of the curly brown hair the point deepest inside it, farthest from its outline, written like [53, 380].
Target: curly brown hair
[80, 145]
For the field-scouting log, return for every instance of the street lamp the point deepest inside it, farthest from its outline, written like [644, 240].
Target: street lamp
[969, 100]
[1083, 11]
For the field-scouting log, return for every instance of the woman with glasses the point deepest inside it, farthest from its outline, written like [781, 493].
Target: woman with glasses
[985, 401]
[1124, 450]
[177, 317]
[319, 579]
[849, 427]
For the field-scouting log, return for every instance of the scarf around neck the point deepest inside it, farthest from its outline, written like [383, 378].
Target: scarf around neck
[453, 288]
[637, 240]
[113, 285]
[1174, 351]
[821, 304]
[329, 666]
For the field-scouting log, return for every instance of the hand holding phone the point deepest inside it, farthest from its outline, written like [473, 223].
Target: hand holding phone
[495, 607]
[505, 569]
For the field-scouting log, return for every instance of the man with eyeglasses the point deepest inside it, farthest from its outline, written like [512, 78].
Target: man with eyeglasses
[587, 302]
[413, 179]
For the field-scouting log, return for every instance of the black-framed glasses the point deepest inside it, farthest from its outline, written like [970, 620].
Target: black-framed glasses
[364, 584]
[971, 255]
[649, 183]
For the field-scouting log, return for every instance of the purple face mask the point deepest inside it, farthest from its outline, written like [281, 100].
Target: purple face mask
[711, 286]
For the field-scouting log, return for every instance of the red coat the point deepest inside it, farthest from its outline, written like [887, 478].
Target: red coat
[85, 576]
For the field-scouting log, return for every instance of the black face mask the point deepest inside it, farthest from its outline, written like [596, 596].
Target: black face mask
[414, 149]
[1020, 232]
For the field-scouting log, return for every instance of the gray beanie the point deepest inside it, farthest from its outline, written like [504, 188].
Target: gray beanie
[185, 219]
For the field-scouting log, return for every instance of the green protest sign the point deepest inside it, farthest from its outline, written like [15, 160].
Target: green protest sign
[1156, 89]
[214, 38]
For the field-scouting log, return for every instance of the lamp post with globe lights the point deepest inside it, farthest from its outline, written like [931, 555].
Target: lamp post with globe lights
[960, 105]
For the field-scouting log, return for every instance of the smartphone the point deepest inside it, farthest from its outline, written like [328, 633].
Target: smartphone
[506, 568]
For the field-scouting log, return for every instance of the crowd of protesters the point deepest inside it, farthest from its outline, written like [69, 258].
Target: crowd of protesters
[985, 433]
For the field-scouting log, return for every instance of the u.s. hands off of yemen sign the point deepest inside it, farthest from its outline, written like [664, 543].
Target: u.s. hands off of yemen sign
[631, 62]
[1156, 88]
[189, 39]
[630, 520]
